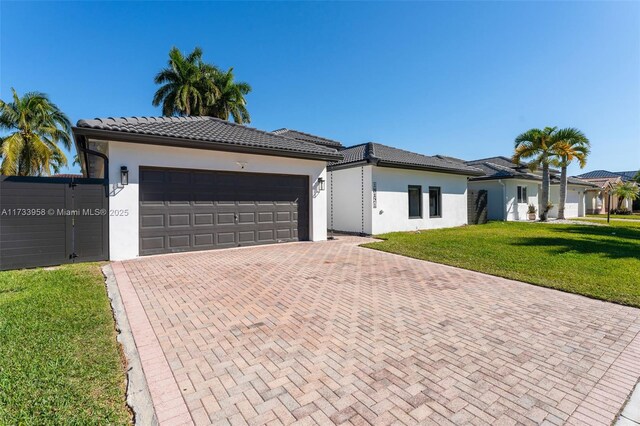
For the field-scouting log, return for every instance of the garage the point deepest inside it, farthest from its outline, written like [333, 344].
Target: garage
[188, 210]
[182, 184]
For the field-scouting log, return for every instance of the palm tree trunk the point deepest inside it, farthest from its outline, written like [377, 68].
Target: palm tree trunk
[545, 192]
[563, 192]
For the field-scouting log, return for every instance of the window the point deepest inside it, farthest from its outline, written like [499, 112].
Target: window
[415, 201]
[435, 201]
[522, 194]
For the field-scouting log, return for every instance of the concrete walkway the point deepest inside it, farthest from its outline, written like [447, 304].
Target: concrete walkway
[332, 333]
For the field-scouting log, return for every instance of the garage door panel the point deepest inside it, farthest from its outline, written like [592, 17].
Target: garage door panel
[152, 243]
[152, 221]
[203, 219]
[151, 176]
[265, 217]
[179, 220]
[226, 219]
[182, 210]
[266, 235]
[203, 240]
[179, 241]
[228, 238]
[246, 217]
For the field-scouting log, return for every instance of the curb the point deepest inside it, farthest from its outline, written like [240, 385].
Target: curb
[137, 389]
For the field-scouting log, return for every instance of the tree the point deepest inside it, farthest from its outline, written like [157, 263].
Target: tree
[187, 84]
[568, 145]
[231, 98]
[536, 145]
[636, 177]
[36, 127]
[626, 190]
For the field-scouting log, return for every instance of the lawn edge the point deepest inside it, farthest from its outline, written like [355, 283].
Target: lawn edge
[627, 305]
[138, 396]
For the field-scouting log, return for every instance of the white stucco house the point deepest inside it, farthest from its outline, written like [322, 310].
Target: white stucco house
[597, 198]
[377, 188]
[511, 188]
[193, 183]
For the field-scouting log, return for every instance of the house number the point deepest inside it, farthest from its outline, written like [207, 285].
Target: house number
[374, 189]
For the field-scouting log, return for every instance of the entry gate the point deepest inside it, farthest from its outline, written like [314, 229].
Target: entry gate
[48, 221]
[477, 207]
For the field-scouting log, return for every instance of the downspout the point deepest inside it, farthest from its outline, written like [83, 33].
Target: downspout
[504, 199]
[86, 151]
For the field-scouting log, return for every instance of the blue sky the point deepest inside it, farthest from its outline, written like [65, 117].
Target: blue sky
[458, 78]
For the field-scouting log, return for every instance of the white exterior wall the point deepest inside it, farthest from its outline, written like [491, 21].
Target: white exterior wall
[350, 204]
[392, 210]
[124, 229]
[495, 197]
[574, 204]
[515, 210]
[502, 198]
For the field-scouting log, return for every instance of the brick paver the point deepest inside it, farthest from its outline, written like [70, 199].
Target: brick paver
[321, 333]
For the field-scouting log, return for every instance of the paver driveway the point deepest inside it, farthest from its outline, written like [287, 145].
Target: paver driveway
[331, 332]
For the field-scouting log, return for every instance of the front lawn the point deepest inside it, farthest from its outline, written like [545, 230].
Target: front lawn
[59, 359]
[596, 261]
[614, 222]
[632, 216]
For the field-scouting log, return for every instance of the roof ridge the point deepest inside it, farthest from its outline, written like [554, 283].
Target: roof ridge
[322, 138]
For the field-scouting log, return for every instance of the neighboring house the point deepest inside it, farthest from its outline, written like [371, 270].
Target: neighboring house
[511, 188]
[377, 188]
[196, 183]
[597, 198]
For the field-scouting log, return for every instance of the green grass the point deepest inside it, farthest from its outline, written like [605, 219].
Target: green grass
[633, 216]
[59, 359]
[602, 262]
[614, 222]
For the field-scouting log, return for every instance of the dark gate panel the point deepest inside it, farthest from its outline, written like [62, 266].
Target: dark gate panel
[186, 210]
[91, 227]
[51, 221]
[477, 207]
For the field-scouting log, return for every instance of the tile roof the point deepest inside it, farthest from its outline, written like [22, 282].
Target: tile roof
[67, 175]
[628, 174]
[306, 137]
[389, 156]
[503, 168]
[598, 174]
[209, 129]
[605, 174]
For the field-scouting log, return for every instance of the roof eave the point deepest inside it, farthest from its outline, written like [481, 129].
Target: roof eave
[394, 165]
[118, 136]
[391, 164]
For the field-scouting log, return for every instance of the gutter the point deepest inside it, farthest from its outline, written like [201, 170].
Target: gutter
[81, 146]
[382, 163]
[110, 135]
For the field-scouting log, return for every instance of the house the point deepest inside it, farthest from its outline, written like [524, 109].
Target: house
[194, 183]
[376, 188]
[597, 198]
[511, 188]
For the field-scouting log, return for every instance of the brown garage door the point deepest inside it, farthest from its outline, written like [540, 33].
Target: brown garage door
[186, 210]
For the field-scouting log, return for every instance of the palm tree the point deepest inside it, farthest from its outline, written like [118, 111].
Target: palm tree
[536, 145]
[568, 145]
[626, 190]
[38, 126]
[187, 84]
[231, 98]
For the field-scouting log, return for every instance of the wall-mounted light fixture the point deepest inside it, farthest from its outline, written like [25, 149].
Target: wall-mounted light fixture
[321, 184]
[124, 175]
